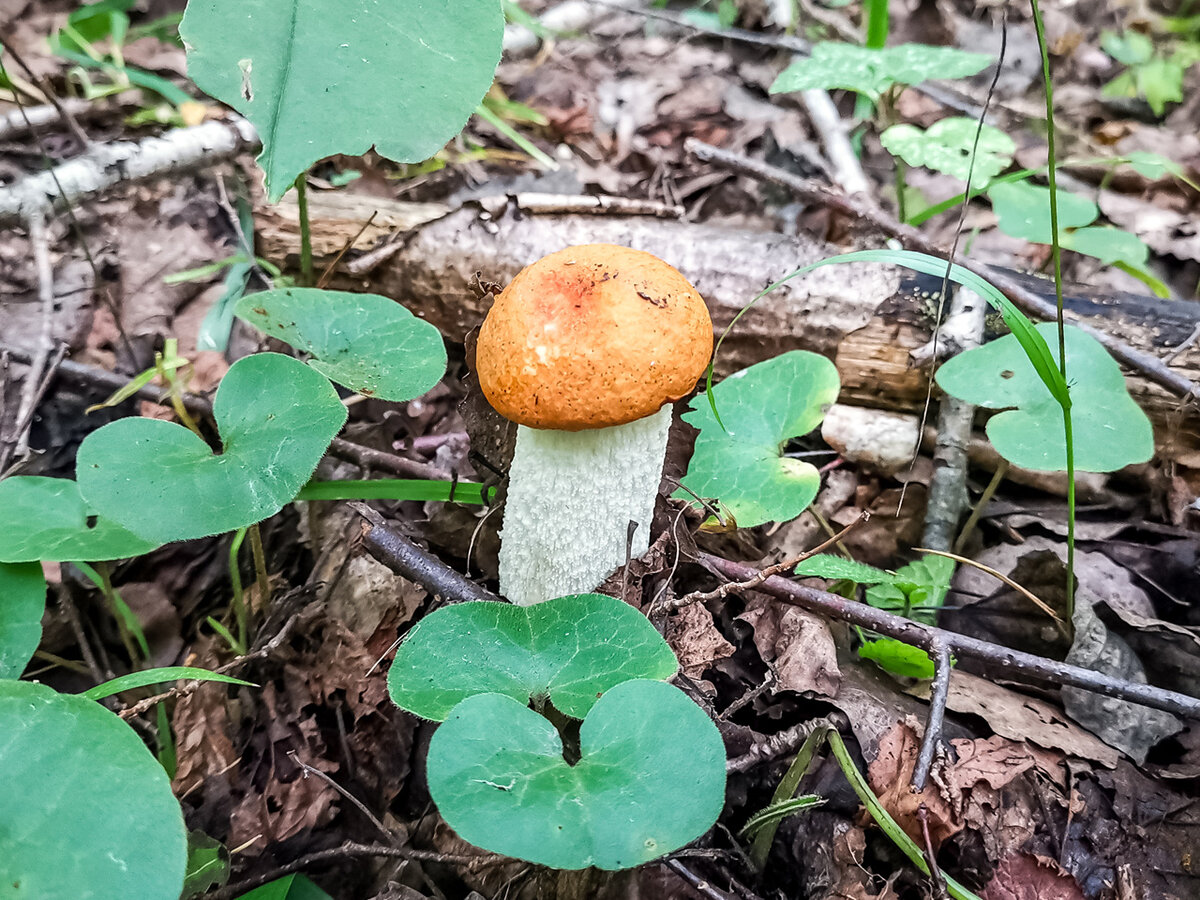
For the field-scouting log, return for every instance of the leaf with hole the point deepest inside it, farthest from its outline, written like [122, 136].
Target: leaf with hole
[276, 417]
[569, 650]
[650, 778]
[1111, 431]
[947, 146]
[836, 65]
[319, 77]
[22, 602]
[368, 343]
[47, 519]
[761, 407]
[87, 809]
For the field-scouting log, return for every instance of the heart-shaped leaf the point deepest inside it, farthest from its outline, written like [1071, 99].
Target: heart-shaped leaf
[1023, 210]
[761, 407]
[47, 519]
[947, 145]
[319, 77]
[369, 343]
[570, 649]
[87, 810]
[1111, 431]
[650, 778]
[276, 417]
[833, 64]
[22, 602]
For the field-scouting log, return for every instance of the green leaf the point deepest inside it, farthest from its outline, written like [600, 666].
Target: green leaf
[22, 602]
[218, 321]
[1111, 431]
[319, 77]
[898, 657]
[946, 147]
[207, 865]
[289, 887]
[47, 519]
[761, 407]
[368, 343]
[1023, 210]
[1153, 165]
[917, 590]
[276, 417]
[570, 649]
[87, 809]
[157, 676]
[651, 778]
[1109, 245]
[1131, 48]
[835, 65]
[393, 489]
[777, 812]
[838, 568]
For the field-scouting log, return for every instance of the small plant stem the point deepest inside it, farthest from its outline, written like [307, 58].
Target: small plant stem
[261, 578]
[877, 23]
[238, 603]
[1056, 256]
[984, 499]
[127, 624]
[307, 276]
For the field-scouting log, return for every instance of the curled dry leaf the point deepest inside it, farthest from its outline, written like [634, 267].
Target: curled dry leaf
[696, 641]
[796, 644]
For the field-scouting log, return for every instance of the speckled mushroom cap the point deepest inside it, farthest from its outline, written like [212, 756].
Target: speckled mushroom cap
[592, 336]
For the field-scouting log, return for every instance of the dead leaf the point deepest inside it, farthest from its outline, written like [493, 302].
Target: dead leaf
[890, 777]
[1025, 876]
[1018, 717]
[796, 644]
[696, 641]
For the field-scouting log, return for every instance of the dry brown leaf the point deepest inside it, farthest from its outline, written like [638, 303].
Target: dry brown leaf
[796, 644]
[1024, 876]
[1018, 717]
[890, 777]
[696, 641]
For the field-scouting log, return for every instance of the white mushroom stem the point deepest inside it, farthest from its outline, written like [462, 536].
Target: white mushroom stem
[571, 497]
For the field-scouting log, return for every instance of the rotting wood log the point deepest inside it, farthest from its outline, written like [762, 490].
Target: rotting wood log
[867, 318]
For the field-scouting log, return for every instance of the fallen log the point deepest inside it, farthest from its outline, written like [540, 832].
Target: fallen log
[867, 318]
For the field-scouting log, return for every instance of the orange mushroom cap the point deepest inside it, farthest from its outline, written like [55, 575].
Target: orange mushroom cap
[592, 336]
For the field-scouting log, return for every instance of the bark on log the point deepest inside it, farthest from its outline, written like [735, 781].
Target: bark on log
[865, 317]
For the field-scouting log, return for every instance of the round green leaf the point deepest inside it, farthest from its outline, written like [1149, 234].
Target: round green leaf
[86, 811]
[319, 77]
[570, 649]
[1023, 210]
[650, 778]
[946, 146]
[46, 519]
[369, 343]
[833, 64]
[276, 417]
[761, 407]
[22, 602]
[1111, 431]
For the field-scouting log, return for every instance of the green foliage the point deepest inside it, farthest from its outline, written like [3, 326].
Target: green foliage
[650, 778]
[760, 407]
[147, 677]
[946, 146]
[368, 343]
[1111, 431]
[897, 657]
[568, 650]
[319, 77]
[276, 417]
[917, 590]
[837, 65]
[838, 568]
[95, 811]
[22, 602]
[47, 519]
[207, 865]
[1153, 73]
[393, 489]
[289, 887]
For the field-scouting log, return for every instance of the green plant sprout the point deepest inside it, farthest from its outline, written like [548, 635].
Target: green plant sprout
[1152, 73]
[646, 774]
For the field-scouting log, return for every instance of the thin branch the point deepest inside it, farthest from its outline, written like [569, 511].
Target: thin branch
[1014, 664]
[861, 208]
[39, 242]
[940, 690]
[408, 560]
[702, 885]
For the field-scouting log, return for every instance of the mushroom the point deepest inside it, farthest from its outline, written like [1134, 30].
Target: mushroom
[585, 350]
